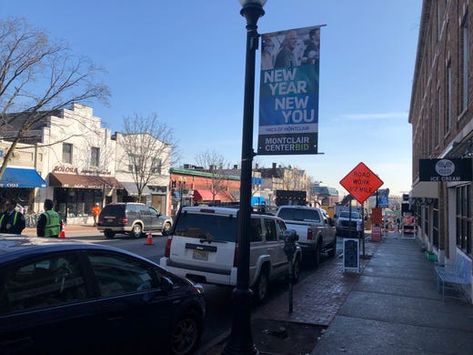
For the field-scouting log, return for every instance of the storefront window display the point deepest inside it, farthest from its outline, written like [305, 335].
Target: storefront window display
[77, 202]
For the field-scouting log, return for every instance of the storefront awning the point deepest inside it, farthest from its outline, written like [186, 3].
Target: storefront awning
[426, 189]
[132, 190]
[22, 177]
[82, 181]
[206, 195]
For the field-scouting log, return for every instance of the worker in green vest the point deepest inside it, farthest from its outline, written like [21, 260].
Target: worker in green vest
[11, 221]
[49, 223]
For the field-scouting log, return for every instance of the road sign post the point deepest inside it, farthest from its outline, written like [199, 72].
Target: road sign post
[361, 183]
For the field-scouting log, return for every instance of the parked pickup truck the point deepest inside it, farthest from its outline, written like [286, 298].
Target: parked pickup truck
[346, 226]
[314, 227]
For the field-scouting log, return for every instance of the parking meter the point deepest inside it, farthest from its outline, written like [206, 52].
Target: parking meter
[290, 239]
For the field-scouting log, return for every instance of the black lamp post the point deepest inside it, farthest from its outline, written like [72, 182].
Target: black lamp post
[241, 340]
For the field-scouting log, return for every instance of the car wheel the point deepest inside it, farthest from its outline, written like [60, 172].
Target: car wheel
[109, 234]
[137, 230]
[167, 226]
[186, 335]
[261, 287]
[333, 249]
[297, 269]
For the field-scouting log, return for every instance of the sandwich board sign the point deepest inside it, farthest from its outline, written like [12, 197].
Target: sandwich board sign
[351, 255]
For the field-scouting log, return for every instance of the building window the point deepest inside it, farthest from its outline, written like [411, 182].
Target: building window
[435, 223]
[426, 221]
[439, 18]
[156, 166]
[67, 153]
[448, 100]
[94, 156]
[436, 127]
[464, 218]
[134, 162]
[465, 59]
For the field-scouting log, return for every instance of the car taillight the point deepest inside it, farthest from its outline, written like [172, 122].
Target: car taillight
[167, 248]
[124, 220]
[236, 256]
[310, 234]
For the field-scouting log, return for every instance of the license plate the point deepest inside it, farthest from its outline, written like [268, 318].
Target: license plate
[200, 255]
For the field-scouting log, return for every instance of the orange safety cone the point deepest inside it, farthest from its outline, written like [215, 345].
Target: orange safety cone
[62, 233]
[149, 239]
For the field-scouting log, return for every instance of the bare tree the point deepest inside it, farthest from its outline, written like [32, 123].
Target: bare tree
[37, 79]
[213, 163]
[149, 148]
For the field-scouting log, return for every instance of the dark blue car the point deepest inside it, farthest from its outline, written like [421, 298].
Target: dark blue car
[63, 298]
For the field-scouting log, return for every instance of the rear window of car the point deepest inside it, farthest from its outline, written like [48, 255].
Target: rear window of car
[354, 215]
[135, 208]
[113, 210]
[297, 214]
[207, 226]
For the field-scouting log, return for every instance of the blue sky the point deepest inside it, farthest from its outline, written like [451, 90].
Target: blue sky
[185, 61]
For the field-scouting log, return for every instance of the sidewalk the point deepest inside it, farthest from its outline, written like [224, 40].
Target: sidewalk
[317, 299]
[72, 230]
[392, 307]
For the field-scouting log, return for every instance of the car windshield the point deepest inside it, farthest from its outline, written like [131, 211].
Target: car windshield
[354, 215]
[207, 226]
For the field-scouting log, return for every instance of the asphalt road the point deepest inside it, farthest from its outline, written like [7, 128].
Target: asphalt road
[218, 298]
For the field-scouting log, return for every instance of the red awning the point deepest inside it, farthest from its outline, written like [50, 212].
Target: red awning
[207, 196]
[82, 181]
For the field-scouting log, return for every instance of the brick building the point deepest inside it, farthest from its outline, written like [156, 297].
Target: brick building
[192, 186]
[441, 114]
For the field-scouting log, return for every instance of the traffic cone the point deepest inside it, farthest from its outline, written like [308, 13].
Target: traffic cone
[62, 233]
[149, 239]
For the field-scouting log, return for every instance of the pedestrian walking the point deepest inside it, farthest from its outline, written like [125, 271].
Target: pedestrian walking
[11, 221]
[49, 223]
[96, 212]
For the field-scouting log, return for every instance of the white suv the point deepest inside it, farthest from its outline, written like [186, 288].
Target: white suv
[203, 248]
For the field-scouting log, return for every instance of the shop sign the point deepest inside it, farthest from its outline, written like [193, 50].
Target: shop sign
[289, 92]
[65, 169]
[383, 198]
[95, 172]
[445, 170]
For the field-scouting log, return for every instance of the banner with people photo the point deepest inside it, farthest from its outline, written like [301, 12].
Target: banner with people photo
[289, 92]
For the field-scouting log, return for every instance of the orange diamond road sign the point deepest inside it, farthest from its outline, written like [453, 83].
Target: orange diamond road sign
[361, 182]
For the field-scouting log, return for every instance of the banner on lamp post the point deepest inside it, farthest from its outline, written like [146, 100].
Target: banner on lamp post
[289, 92]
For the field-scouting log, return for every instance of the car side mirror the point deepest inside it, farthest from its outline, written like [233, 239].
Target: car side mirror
[166, 284]
[331, 222]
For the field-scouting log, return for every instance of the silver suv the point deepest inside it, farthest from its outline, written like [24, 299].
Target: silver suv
[203, 248]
